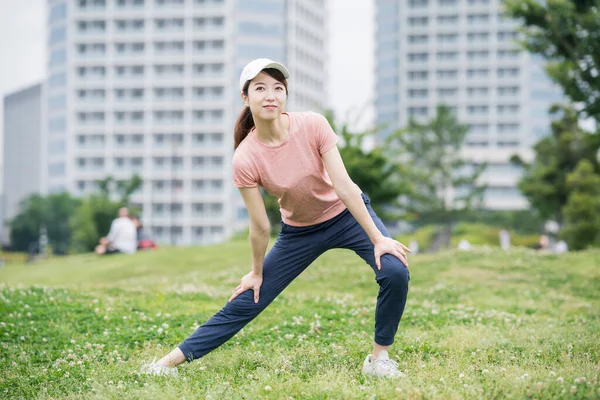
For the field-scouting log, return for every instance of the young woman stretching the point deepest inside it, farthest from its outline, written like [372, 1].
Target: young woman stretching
[294, 157]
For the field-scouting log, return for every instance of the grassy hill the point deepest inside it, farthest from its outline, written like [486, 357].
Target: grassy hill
[483, 324]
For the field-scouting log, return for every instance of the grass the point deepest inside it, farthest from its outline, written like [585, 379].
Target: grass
[482, 324]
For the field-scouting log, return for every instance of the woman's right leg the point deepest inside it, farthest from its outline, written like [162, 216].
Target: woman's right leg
[286, 260]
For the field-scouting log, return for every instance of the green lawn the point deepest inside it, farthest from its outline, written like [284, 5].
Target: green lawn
[483, 324]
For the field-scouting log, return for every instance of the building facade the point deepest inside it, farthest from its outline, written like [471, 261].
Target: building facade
[22, 151]
[149, 87]
[463, 53]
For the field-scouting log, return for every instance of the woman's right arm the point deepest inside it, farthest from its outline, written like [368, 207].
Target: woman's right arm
[260, 227]
[259, 240]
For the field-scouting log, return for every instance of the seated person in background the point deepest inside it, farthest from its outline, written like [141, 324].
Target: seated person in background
[143, 239]
[542, 243]
[122, 237]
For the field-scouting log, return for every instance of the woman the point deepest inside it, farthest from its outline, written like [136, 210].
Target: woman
[294, 157]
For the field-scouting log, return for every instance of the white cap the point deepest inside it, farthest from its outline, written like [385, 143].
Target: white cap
[253, 68]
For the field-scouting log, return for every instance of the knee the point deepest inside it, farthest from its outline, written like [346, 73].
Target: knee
[393, 273]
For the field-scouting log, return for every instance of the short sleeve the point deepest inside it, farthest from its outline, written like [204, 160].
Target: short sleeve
[242, 173]
[327, 139]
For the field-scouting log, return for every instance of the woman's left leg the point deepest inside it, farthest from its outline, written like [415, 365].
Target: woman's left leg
[393, 277]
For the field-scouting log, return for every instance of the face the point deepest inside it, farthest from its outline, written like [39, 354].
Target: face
[266, 97]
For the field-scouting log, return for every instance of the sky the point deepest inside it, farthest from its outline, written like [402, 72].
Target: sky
[23, 54]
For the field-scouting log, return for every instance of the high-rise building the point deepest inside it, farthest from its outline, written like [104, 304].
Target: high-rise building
[151, 87]
[463, 53]
[22, 150]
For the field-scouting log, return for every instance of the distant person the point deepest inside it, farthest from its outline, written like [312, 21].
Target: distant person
[294, 156]
[143, 239]
[414, 246]
[504, 239]
[561, 247]
[542, 243]
[122, 237]
[464, 245]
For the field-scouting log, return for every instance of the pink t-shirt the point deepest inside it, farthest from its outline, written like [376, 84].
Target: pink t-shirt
[292, 171]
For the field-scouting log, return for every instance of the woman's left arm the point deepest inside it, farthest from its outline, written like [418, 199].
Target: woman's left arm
[350, 194]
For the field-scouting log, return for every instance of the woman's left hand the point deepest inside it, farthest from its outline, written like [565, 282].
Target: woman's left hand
[388, 245]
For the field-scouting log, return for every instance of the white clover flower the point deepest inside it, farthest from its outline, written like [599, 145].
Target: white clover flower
[267, 388]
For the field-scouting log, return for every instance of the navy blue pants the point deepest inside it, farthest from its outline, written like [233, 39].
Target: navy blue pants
[295, 249]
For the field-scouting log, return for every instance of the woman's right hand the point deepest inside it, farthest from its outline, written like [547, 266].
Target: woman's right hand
[249, 281]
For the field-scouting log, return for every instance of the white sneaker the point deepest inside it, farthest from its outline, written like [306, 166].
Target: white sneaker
[382, 367]
[155, 368]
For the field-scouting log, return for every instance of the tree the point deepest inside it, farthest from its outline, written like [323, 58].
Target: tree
[61, 207]
[582, 211]
[444, 185]
[50, 212]
[25, 226]
[567, 33]
[544, 181]
[376, 174]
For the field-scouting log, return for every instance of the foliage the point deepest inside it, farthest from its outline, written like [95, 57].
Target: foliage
[476, 234]
[377, 175]
[567, 34]
[50, 212]
[444, 185]
[582, 211]
[518, 324]
[544, 182]
[69, 221]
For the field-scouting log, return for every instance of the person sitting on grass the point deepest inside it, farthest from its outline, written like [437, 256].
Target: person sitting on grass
[294, 157]
[122, 237]
[143, 239]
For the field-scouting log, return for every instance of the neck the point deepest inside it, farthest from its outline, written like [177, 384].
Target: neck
[272, 131]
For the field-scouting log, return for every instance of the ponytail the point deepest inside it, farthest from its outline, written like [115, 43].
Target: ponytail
[243, 126]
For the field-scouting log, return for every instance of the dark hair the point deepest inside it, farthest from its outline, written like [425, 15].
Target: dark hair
[245, 121]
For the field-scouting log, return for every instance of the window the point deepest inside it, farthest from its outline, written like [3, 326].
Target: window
[57, 35]
[57, 124]
[446, 74]
[418, 39]
[508, 72]
[417, 93]
[508, 54]
[418, 57]
[417, 111]
[478, 55]
[58, 12]
[57, 80]
[477, 110]
[418, 75]
[447, 19]
[477, 91]
[58, 102]
[473, 19]
[507, 35]
[447, 55]
[418, 21]
[478, 73]
[447, 92]
[58, 57]
[447, 38]
[508, 109]
[418, 3]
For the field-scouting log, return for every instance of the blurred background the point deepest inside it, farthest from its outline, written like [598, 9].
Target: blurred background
[464, 120]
